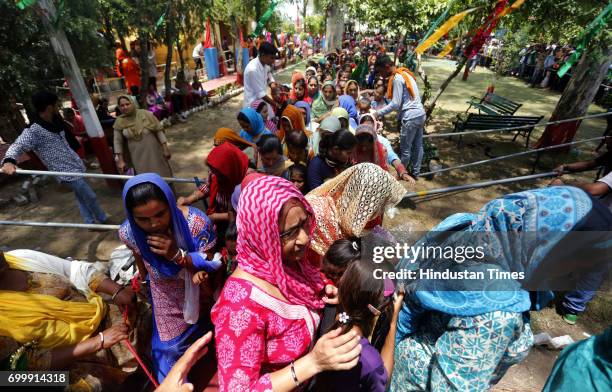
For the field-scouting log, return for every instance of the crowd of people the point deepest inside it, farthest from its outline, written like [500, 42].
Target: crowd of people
[276, 262]
[538, 65]
[167, 106]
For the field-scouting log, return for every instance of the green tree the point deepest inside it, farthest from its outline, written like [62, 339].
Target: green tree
[549, 21]
[315, 24]
[27, 61]
[289, 27]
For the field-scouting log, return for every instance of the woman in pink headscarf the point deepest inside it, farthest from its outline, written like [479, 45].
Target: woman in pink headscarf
[269, 310]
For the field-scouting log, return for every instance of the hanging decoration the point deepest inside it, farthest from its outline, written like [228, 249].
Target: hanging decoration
[160, 21]
[410, 57]
[485, 30]
[448, 48]
[264, 18]
[23, 4]
[207, 39]
[512, 8]
[445, 28]
[591, 31]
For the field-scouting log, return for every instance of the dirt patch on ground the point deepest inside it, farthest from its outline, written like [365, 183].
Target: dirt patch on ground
[191, 142]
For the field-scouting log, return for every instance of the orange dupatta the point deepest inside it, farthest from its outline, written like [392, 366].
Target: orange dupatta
[404, 72]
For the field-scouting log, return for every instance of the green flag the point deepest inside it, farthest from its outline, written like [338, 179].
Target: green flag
[410, 61]
[591, 31]
[264, 18]
[23, 4]
[160, 21]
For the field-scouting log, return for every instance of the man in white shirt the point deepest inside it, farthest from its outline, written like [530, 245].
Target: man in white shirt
[258, 75]
[198, 54]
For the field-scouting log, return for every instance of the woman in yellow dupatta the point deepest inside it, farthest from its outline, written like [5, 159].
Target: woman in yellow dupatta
[51, 315]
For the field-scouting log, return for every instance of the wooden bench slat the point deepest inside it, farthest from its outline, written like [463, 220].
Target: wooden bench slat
[494, 104]
[486, 121]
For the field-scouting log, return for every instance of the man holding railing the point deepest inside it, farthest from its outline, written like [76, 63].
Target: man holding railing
[48, 138]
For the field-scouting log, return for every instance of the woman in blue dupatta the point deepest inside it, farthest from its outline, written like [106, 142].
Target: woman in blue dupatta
[348, 103]
[170, 245]
[252, 124]
[460, 334]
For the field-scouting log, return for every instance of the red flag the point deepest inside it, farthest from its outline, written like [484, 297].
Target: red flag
[207, 40]
[485, 30]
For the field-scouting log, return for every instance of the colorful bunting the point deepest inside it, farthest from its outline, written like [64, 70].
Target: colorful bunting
[592, 29]
[207, 39]
[445, 28]
[447, 49]
[512, 8]
[23, 4]
[264, 18]
[410, 58]
[160, 21]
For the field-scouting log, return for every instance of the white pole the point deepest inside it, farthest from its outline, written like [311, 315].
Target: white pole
[93, 175]
[65, 56]
[58, 224]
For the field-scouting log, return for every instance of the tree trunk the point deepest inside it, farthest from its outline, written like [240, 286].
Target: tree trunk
[427, 86]
[304, 14]
[219, 46]
[431, 105]
[275, 38]
[578, 95]
[401, 40]
[180, 53]
[334, 27]
[144, 68]
[237, 50]
[122, 40]
[466, 73]
[108, 33]
[257, 10]
[168, 40]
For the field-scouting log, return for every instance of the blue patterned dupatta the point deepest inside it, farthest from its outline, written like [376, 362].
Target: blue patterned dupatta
[531, 232]
[459, 335]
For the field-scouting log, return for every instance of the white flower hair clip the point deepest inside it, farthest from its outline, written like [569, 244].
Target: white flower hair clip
[343, 318]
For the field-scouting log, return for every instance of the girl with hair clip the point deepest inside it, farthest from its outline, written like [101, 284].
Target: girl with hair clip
[364, 296]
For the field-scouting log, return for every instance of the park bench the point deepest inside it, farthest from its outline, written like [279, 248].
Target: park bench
[494, 104]
[486, 121]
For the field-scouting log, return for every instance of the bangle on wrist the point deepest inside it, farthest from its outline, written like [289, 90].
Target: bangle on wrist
[178, 252]
[101, 341]
[294, 376]
[116, 293]
[179, 257]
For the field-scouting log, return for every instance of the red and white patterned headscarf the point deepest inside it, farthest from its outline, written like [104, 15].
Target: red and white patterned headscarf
[259, 243]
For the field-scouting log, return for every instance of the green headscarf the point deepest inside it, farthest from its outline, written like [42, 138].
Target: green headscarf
[320, 106]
